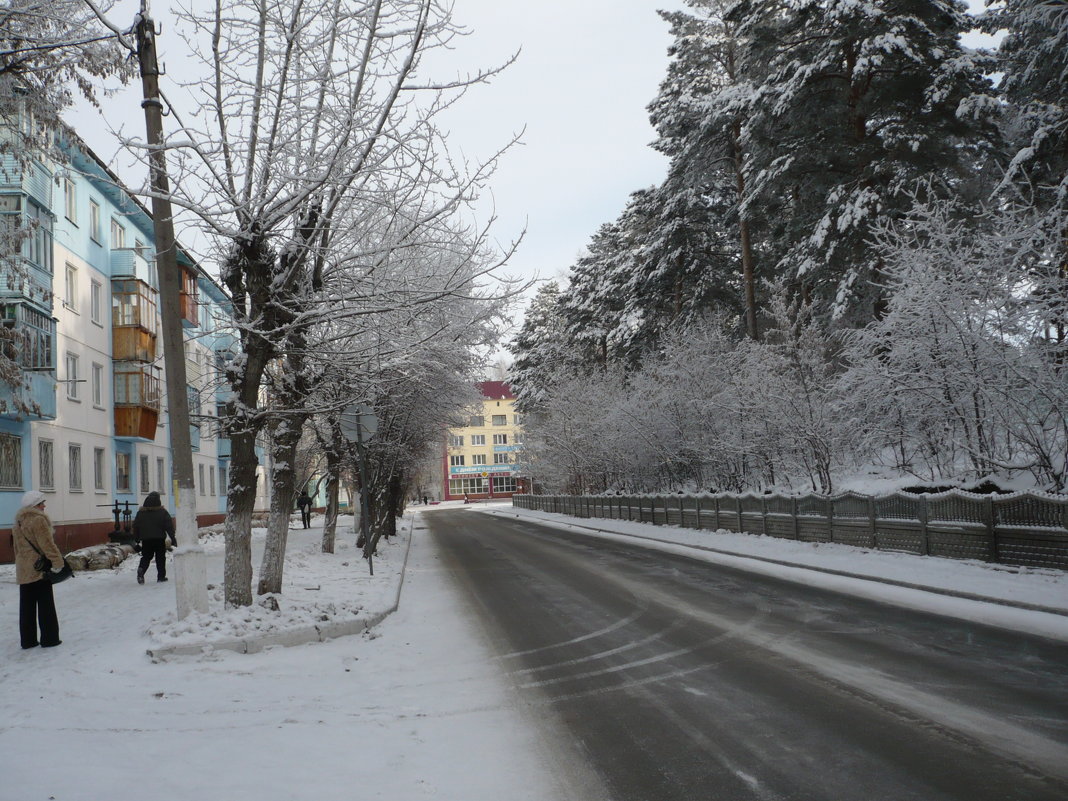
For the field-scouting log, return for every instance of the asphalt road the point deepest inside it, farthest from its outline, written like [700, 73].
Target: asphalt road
[676, 679]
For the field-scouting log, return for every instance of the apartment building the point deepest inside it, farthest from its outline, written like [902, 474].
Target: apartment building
[89, 427]
[482, 458]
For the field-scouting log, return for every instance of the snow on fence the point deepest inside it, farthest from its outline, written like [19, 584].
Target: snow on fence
[1018, 529]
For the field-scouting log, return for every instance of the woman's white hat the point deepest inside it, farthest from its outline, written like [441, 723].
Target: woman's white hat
[33, 498]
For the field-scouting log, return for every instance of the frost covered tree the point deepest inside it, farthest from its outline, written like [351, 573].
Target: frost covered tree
[698, 114]
[313, 120]
[51, 51]
[853, 103]
[958, 379]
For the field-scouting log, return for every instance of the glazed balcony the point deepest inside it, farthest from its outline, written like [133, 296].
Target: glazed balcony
[133, 320]
[137, 402]
[189, 299]
[30, 344]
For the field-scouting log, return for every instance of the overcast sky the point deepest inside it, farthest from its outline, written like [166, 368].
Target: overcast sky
[578, 91]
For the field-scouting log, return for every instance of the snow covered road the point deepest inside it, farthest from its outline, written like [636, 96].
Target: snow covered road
[685, 679]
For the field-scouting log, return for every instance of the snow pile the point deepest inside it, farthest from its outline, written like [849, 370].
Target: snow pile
[318, 588]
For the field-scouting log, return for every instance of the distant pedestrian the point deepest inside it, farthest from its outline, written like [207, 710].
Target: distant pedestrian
[304, 503]
[466, 499]
[425, 500]
[33, 537]
[151, 526]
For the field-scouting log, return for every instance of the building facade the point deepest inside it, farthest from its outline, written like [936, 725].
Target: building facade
[482, 459]
[89, 427]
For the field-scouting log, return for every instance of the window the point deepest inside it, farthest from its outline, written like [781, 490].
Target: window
[74, 459]
[38, 245]
[122, 472]
[500, 439]
[468, 486]
[478, 458]
[10, 461]
[211, 479]
[505, 484]
[518, 419]
[455, 441]
[477, 421]
[161, 475]
[500, 419]
[96, 301]
[200, 477]
[98, 384]
[222, 479]
[70, 200]
[72, 376]
[37, 333]
[71, 288]
[500, 458]
[142, 470]
[94, 221]
[478, 439]
[517, 438]
[46, 469]
[118, 234]
[456, 461]
[98, 469]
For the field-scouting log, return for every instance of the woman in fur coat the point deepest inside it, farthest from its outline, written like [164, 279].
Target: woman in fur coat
[37, 604]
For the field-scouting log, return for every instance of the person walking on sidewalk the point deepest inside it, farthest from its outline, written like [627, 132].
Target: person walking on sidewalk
[33, 537]
[152, 525]
[304, 503]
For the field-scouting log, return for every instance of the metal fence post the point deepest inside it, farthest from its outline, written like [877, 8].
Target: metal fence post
[991, 529]
[925, 535]
[830, 519]
[697, 509]
[797, 519]
[871, 517]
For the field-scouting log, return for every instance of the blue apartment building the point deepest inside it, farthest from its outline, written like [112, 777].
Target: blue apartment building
[88, 426]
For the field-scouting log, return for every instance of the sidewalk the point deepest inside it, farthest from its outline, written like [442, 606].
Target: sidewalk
[324, 596]
[1018, 598]
[395, 714]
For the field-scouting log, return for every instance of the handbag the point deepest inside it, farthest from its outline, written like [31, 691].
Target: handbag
[44, 565]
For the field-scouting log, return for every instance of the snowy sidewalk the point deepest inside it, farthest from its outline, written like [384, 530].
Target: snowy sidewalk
[1027, 599]
[415, 709]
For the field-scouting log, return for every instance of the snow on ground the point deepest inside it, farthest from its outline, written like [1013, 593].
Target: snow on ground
[886, 576]
[415, 709]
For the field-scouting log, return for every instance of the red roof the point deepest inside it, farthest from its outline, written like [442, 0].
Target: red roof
[496, 390]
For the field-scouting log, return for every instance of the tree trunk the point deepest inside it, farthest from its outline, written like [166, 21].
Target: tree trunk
[240, 504]
[332, 490]
[283, 490]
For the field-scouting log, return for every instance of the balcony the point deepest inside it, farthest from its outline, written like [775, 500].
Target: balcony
[131, 263]
[29, 342]
[137, 402]
[133, 320]
[188, 299]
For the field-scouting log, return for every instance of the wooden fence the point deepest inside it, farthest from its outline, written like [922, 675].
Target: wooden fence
[1017, 529]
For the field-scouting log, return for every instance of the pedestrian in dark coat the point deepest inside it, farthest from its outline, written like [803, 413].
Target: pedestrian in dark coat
[304, 503]
[37, 605]
[152, 525]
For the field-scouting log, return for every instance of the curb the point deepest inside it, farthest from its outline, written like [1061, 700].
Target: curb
[290, 637]
[1052, 610]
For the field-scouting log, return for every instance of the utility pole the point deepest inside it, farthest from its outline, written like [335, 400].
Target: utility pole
[190, 576]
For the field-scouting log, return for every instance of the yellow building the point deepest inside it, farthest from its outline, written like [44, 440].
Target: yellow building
[480, 458]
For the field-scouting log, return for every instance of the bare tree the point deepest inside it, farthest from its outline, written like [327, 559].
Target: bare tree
[313, 122]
